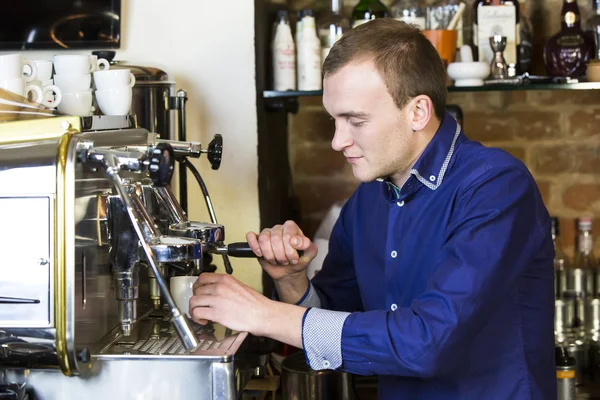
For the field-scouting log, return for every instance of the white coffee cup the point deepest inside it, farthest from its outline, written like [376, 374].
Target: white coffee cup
[114, 78]
[19, 86]
[72, 64]
[15, 66]
[115, 101]
[44, 69]
[99, 64]
[77, 103]
[181, 290]
[73, 83]
[52, 94]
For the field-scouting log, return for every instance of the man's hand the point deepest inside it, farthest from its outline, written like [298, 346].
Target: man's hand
[278, 247]
[225, 300]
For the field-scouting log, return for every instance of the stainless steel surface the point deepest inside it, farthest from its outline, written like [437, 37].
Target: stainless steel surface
[152, 102]
[166, 197]
[165, 247]
[185, 149]
[299, 382]
[78, 295]
[25, 276]
[152, 363]
[565, 386]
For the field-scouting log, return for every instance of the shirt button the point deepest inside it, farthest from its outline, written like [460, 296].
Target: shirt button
[394, 254]
[394, 307]
[432, 178]
[326, 364]
[400, 203]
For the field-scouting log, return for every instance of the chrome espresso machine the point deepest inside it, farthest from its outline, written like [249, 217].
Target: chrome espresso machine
[91, 233]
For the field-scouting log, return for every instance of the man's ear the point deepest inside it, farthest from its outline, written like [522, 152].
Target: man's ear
[420, 112]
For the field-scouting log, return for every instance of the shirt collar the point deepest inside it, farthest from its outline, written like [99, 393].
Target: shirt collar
[431, 166]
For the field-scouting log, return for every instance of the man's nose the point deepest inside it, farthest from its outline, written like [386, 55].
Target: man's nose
[341, 139]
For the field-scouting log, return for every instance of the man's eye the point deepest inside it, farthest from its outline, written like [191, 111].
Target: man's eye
[357, 124]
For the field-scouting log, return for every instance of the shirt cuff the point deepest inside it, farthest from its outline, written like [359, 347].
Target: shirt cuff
[322, 338]
[310, 298]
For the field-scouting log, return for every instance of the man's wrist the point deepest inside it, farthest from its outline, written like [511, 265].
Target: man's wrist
[291, 288]
[282, 322]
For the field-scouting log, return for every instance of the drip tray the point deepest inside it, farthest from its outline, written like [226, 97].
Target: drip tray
[155, 336]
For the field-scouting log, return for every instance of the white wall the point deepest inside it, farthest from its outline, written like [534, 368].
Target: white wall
[207, 46]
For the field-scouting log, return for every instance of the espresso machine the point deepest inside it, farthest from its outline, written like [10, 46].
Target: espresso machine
[91, 233]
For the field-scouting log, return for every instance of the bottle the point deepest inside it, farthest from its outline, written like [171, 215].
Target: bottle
[367, 10]
[567, 52]
[410, 11]
[332, 26]
[593, 28]
[284, 54]
[309, 55]
[561, 262]
[584, 256]
[497, 17]
[526, 36]
[565, 374]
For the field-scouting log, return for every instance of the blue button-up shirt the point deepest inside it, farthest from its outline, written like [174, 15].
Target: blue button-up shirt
[443, 288]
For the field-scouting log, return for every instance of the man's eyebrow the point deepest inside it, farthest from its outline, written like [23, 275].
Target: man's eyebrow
[353, 114]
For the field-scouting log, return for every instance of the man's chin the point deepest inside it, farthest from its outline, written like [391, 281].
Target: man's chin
[365, 177]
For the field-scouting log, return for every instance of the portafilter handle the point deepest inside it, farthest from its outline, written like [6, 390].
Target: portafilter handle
[239, 250]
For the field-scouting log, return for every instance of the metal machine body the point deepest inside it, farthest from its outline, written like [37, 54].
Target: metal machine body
[90, 235]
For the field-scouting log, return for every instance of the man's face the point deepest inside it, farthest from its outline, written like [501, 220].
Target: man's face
[374, 135]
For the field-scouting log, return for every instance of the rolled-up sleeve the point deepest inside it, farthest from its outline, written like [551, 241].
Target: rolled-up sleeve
[491, 239]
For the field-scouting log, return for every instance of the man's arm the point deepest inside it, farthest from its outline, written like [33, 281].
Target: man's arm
[494, 239]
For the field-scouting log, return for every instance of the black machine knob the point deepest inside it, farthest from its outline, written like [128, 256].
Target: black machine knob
[162, 164]
[215, 151]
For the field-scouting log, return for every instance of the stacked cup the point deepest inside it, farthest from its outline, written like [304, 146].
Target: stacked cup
[16, 73]
[114, 91]
[52, 96]
[72, 74]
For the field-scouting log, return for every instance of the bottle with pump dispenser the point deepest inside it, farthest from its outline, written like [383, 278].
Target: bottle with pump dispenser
[283, 54]
[309, 54]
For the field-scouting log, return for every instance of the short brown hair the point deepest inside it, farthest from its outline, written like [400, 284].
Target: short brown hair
[406, 60]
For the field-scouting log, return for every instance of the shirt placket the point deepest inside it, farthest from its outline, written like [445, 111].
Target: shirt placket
[396, 213]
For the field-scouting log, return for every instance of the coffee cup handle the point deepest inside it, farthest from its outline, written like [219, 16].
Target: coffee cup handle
[38, 93]
[102, 64]
[33, 69]
[57, 96]
[132, 81]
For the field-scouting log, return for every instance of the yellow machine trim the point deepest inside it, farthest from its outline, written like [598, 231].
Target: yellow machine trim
[60, 261]
[37, 129]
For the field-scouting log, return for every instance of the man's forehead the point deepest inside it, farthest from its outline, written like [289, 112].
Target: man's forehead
[352, 88]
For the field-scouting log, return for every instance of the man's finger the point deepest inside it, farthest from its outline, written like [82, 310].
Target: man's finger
[202, 315]
[205, 290]
[252, 239]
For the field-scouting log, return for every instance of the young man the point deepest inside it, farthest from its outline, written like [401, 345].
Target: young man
[439, 275]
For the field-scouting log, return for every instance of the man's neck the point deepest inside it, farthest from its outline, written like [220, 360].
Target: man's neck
[424, 137]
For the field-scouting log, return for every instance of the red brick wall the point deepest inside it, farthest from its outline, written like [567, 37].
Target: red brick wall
[555, 133]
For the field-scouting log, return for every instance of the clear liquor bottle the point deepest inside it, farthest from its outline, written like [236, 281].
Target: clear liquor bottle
[410, 11]
[584, 256]
[332, 25]
[561, 262]
[592, 27]
[367, 10]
